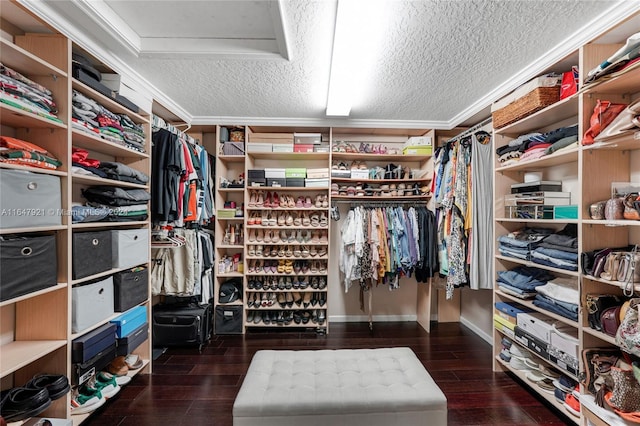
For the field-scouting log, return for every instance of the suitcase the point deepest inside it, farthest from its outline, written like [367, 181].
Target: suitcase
[182, 325]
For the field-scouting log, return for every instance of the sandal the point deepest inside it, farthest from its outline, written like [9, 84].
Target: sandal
[323, 251]
[297, 221]
[305, 219]
[280, 268]
[307, 203]
[325, 201]
[297, 252]
[324, 221]
[288, 268]
[305, 251]
[315, 219]
[313, 252]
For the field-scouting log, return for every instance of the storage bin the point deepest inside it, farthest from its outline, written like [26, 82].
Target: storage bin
[89, 345]
[29, 199]
[532, 342]
[91, 303]
[359, 174]
[276, 182]
[282, 147]
[565, 212]
[233, 148]
[256, 173]
[259, 147]
[274, 173]
[27, 264]
[130, 247]
[318, 173]
[418, 141]
[127, 322]
[129, 343]
[316, 183]
[130, 288]
[228, 320]
[417, 150]
[92, 253]
[533, 101]
[226, 213]
[307, 138]
[536, 324]
[295, 173]
[271, 137]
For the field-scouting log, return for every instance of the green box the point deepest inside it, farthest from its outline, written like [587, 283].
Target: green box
[226, 213]
[295, 173]
[565, 212]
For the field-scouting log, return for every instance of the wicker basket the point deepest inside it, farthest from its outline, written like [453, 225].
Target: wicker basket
[533, 101]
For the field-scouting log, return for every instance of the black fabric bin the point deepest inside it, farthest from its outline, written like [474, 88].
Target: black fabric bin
[27, 264]
[130, 288]
[228, 319]
[92, 253]
[130, 342]
[91, 344]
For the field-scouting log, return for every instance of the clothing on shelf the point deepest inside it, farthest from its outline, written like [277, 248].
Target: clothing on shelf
[461, 186]
[382, 244]
[26, 94]
[18, 151]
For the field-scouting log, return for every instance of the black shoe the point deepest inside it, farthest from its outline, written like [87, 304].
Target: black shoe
[56, 384]
[297, 317]
[22, 403]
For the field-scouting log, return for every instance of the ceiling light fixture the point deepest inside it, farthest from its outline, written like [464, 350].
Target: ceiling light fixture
[355, 42]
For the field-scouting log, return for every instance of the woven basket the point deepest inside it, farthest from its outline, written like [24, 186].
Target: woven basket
[533, 101]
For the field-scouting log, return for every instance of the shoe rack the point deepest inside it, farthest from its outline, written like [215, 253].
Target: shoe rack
[36, 327]
[587, 172]
[287, 242]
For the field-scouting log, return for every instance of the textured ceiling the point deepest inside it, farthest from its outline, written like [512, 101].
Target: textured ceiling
[435, 58]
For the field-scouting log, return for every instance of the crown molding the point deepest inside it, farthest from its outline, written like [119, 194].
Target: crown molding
[319, 122]
[617, 13]
[69, 30]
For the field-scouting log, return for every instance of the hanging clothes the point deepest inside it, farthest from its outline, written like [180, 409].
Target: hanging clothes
[463, 191]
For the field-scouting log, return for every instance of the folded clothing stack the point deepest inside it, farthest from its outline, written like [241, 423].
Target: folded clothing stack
[24, 93]
[18, 151]
[124, 205]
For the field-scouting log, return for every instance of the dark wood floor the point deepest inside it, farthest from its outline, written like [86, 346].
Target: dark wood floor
[187, 388]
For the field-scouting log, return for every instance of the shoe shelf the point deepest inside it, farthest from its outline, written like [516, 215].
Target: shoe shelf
[380, 197]
[350, 156]
[291, 325]
[530, 305]
[96, 143]
[285, 274]
[537, 265]
[382, 181]
[18, 354]
[287, 258]
[231, 190]
[289, 188]
[549, 397]
[284, 209]
[288, 290]
[231, 246]
[287, 227]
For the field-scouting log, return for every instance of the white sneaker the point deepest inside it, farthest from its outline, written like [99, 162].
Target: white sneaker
[82, 404]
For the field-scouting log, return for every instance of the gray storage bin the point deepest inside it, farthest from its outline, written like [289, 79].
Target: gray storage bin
[29, 199]
[91, 303]
[92, 253]
[27, 264]
[130, 247]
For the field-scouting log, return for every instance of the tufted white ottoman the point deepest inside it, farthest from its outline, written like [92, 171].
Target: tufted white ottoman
[339, 387]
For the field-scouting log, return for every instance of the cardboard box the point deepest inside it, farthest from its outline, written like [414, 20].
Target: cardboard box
[318, 173]
[226, 213]
[564, 361]
[303, 148]
[506, 323]
[564, 341]
[359, 174]
[316, 183]
[282, 147]
[344, 174]
[295, 173]
[307, 138]
[271, 137]
[417, 150]
[277, 182]
[294, 182]
[259, 147]
[538, 346]
[276, 173]
[112, 81]
[565, 212]
[503, 329]
[537, 325]
[505, 316]
[421, 141]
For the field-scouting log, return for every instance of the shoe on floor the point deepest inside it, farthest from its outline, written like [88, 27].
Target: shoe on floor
[82, 404]
[106, 384]
[56, 384]
[21, 403]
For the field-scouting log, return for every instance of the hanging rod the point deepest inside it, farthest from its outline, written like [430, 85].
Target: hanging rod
[471, 130]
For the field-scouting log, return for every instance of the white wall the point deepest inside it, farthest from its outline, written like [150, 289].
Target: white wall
[476, 312]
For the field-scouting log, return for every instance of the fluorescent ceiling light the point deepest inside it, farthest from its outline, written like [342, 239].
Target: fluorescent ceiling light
[355, 42]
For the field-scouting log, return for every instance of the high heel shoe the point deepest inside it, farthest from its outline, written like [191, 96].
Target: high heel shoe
[318, 202]
[260, 199]
[253, 198]
[275, 201]
[306, 300]
[281, 219]
[325, 201]
[267, 200]
[260, 235]
[297, 220]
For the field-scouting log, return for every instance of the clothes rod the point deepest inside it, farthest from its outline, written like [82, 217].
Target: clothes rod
[471, 130]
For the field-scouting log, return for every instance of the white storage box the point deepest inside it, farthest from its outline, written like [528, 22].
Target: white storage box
[112, 81]
[536, 324]
[91, 303]
[307, 138]
[274, 173]
[316, 183]
[130, 247]
[318, 173]
[360, 174]
[282, 147]
[259, 147]
[565, 340]
[418, 141]
[29, 199]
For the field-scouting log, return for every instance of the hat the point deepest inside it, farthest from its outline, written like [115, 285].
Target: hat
[229, 292]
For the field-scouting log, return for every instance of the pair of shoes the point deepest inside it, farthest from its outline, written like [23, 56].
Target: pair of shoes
[83, 403]
[34, 397]
[118, 367]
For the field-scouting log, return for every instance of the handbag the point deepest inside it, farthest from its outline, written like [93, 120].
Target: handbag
[628, 119]
[611, 266]
[603, 114]
[610, 320]
[629, 268]
[614, 209]
[596, 304]
[630, 212]
[628, 334]
[596, 376]
[626, 390]
[569, 85]
[596, 210]
[599, 261]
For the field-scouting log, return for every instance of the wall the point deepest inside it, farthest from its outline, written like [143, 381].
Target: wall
[476, 312]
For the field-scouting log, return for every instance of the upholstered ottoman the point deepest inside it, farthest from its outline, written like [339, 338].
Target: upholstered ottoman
[339, 387]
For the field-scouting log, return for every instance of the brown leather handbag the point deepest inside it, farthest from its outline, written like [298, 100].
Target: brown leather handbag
[610, 320]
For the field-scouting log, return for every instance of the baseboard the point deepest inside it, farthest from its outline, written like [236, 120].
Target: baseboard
[376, 318]
[481, 333]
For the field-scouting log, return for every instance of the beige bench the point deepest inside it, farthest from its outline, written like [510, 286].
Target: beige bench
[369, 387]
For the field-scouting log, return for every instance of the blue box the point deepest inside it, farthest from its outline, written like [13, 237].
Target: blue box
[512, 309]
[130, 320]
[565, 212]
[89, 345]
